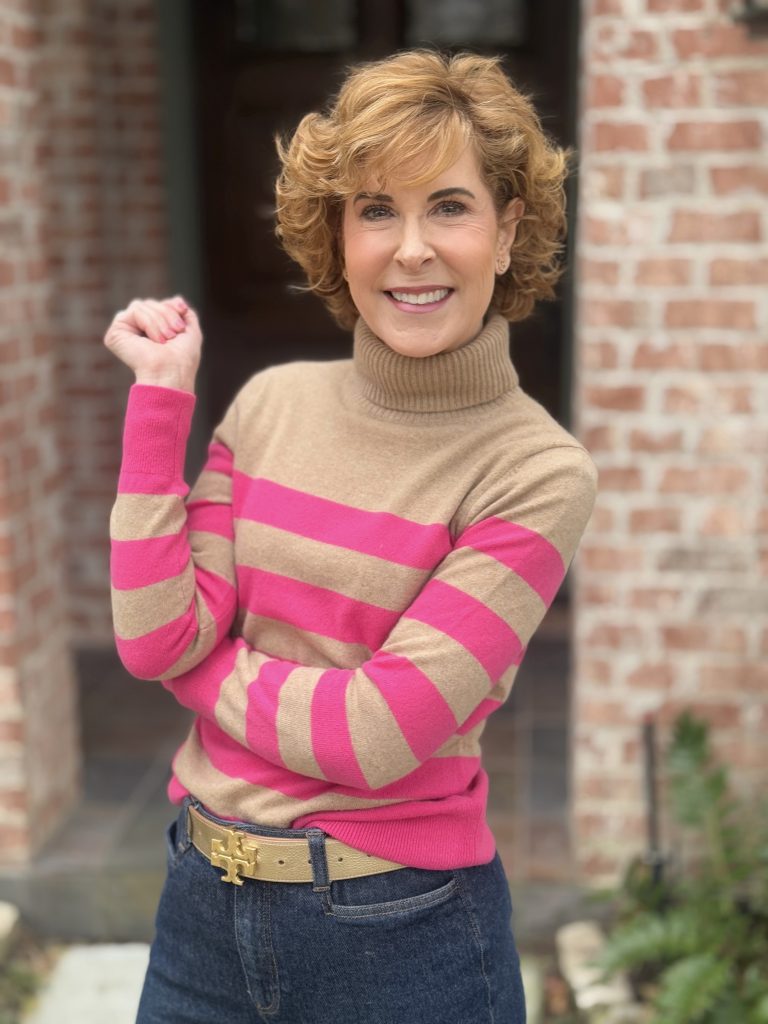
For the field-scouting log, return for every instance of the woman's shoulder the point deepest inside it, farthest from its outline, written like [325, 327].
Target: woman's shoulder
[287, 380]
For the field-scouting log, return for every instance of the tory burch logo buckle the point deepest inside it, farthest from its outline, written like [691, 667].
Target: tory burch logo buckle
[238, 857]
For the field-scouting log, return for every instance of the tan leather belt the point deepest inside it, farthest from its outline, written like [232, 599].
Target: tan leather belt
[244, 855]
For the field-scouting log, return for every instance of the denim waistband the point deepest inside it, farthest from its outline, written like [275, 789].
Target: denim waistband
[249, 826]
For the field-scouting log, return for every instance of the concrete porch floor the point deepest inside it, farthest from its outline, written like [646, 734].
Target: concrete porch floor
[100, 876]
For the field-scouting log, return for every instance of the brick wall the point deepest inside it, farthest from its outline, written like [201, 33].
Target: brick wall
[672, 400]
[81, 232]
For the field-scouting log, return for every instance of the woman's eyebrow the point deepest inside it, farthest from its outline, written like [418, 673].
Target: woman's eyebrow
[376, 197]
[381, 197]
[443, 192]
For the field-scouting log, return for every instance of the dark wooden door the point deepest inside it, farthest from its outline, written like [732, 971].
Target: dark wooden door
[259, 66]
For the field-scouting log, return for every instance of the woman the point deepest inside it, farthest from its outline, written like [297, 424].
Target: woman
[347, 592]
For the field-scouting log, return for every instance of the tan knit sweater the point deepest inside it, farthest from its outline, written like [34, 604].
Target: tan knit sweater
[348, 591]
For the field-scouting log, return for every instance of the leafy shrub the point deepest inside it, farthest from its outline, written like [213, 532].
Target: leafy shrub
[698, 936]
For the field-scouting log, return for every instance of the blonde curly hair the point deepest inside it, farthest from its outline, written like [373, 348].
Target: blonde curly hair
[417, 111]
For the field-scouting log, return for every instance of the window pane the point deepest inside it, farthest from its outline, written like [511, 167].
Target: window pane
[302, 25]
[464, 22]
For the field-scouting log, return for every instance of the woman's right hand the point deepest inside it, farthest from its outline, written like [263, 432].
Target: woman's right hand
[159, 341]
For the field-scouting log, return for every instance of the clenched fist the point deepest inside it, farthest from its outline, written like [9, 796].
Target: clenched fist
[159, 341]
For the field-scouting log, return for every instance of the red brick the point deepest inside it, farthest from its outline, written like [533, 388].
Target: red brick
[676, 90]
[618, 136]
[659, 599]
[664, 441]
[599, 272]
[667, 357]
[718, 39]
[600, 355]
[699, 637]
[652, 676]
[655, 520]
[621, 637]
[602, 558]
[618, 41]
[724, 521]
[605, 712]
[614, 313]
[742, 88]
[629, 398]
[599, 439]
[705, 226]
[746, 679]
[621, 478]
[684, 399]
[663, 272]
[598, 594]
[715, 135]
[736, 272]
[8, 75]
[605, 91]
[744, 180]
[606, 231]
[597, 670]
[710, 313]
[716, 479]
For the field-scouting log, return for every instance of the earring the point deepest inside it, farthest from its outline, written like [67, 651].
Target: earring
[502, 263]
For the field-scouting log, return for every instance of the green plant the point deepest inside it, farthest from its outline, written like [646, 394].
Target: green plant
[698, 937]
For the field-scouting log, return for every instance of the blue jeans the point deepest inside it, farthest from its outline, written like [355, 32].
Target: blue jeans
[404, 946]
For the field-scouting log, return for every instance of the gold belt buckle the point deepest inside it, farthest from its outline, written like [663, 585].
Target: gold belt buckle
[238, 856]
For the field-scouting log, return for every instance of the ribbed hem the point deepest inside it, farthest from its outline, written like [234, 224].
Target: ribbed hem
[479, 372]
[157, 425]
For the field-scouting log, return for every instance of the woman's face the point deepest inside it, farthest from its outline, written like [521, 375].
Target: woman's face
[420, 260]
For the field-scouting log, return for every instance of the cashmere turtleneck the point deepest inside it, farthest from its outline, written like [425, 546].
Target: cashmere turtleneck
[479, 372]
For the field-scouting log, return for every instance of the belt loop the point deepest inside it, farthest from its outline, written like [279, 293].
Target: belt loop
[320, 879]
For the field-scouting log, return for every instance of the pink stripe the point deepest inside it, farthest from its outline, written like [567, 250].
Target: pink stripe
[470, 623]
[482, 711]
[382, 534]
[419, 708]
[314, 609]
[232, 759]
[525, 552]
[220, 459]
[261, 714]
[140, 563]
[199, 688]
[149, 656]
[438, 779]
[331, 740]
[210, 517]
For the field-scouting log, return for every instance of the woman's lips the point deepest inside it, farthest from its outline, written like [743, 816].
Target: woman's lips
[419, 300]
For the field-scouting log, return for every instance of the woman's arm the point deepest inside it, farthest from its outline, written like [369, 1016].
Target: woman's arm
[435, 675]
[172, 564]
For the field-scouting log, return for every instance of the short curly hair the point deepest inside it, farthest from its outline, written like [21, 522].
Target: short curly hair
[420, 109]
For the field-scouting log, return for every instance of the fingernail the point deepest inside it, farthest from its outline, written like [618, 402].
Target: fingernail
[169, 334]
[179, 324]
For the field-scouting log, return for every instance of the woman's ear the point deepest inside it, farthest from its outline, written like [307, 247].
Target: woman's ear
[508, 221]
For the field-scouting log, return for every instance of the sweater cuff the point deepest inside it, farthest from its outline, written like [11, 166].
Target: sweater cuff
[157, 425]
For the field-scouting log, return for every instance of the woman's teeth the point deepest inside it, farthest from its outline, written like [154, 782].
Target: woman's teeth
[420, 298]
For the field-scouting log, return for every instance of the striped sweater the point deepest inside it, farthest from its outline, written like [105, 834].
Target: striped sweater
[348, 590]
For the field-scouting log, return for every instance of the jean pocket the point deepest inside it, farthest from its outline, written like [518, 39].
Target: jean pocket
[406, 891]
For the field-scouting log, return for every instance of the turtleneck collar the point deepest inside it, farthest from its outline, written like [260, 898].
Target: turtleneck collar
[479, 372]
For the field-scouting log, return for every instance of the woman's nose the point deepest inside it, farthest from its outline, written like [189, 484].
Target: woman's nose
[414, 247]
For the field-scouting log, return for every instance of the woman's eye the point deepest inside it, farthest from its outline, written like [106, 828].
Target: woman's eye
[451, 207]
[375, 212]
